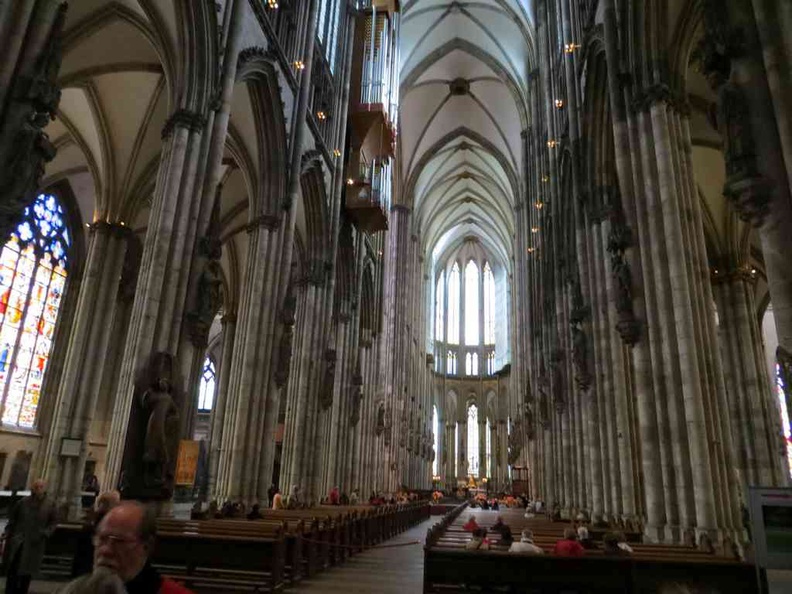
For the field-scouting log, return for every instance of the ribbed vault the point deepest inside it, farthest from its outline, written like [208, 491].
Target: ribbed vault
[464, 85]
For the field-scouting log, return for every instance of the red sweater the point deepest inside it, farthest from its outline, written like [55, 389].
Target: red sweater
[568, 548]
[171, 587]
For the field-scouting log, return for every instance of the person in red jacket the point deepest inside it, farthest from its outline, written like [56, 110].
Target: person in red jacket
[123, 543]
[569, 546]
[471, 525]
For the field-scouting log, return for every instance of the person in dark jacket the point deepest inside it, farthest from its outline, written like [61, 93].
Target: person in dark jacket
[31, 522]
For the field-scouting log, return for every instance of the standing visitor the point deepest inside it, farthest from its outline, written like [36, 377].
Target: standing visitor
[30, 523]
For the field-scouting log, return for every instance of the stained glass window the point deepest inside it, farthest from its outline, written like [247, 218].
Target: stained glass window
[436, 435]
[471, 364]
[489, 305]
[473, 443]
[454, 291]
[33, 269]
[490, 363]
[780, 388]
[206, 391]
[439, 306]
[472, 304]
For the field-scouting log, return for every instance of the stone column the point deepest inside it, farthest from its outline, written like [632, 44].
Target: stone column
[219, 414]
[191, 157]
[751, 397]
[79, 389]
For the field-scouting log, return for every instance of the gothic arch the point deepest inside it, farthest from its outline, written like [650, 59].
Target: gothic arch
[261, 79]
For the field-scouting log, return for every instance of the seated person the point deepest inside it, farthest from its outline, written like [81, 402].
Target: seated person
[478, 541]
[569, 545]
[622, 540]
[277, 500]
[526, 544]
[611, 546]
[471, 525]
[495, 505]
[584, 537]
[255, 513]
[506, 535]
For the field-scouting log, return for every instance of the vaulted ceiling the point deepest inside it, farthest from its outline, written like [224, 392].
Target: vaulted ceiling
[464, 83]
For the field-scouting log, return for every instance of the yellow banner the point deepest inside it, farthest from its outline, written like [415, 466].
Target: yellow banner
[187, 464]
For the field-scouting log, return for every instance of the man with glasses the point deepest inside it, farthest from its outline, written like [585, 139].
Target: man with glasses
[123, 543]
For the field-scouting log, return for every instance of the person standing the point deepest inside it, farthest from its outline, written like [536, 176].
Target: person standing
[30, 523]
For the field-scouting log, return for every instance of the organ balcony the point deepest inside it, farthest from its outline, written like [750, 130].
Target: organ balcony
[368, 195]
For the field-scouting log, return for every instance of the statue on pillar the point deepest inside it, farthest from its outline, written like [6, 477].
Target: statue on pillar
[163, 418]
[326, 394]
[153, 434]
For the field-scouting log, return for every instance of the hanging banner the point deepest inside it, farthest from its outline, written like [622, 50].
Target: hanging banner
[187, 463]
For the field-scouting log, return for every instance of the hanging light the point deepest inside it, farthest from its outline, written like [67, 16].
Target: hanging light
[272, 4]
[321, 115]
[552, 144]
[299, 64]
[559, 103]
[336, 153]
[539, 205]
[569, 48]
[534, 229]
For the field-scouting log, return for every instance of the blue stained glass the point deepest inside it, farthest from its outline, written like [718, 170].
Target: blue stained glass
[33, 269]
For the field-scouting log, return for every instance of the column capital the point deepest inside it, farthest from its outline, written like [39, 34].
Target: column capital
[118, 229]
[183, 118]
[267, 221]
[401, 208]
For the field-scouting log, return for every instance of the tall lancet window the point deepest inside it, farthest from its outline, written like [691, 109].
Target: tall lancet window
[471, 304]
[471, 364]
[454, 291]
[489, 305]
[456, 448]
[488, 456]
[451, 363]
[436, 437]
[33, 269]
[473, 440]
[206, 391]
[439, 307]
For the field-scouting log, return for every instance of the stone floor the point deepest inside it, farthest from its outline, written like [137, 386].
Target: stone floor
[384, 570]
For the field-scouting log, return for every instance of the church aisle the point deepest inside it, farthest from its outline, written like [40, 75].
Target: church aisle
[397, 570]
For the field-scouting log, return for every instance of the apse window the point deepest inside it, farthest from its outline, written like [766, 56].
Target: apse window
[33, 270]
[206, 392]
[781, 390]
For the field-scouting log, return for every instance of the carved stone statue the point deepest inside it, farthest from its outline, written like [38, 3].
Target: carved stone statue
[162, 424]
[288, 317]
[380, 427]
[623, 278]
[326, 393]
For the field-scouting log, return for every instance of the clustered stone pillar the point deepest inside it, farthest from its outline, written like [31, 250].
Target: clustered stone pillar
[754, 417]
[80, 388]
